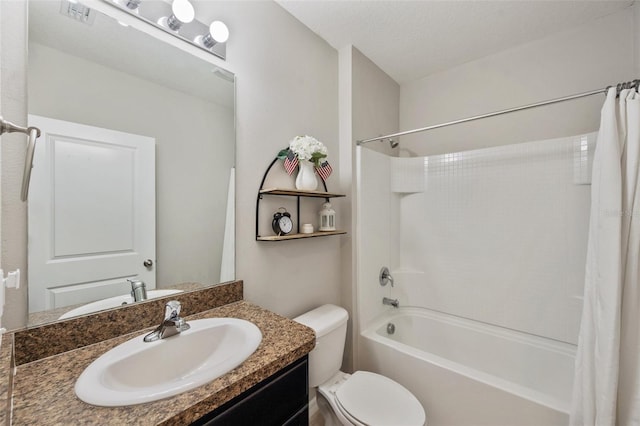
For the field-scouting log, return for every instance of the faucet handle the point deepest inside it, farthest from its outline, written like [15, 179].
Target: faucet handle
[385, 276]
[171, 325]
[172, 310]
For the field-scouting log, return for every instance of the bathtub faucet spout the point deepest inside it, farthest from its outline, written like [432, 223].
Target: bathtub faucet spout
[390, 302]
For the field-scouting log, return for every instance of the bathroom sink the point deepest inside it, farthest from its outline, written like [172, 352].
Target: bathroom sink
[113, 302]
[135, 371]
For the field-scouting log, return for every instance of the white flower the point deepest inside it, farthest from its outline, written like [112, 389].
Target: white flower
[308, 148]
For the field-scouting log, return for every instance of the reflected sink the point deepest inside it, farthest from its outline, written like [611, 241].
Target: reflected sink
[113, 302]
[135, 371]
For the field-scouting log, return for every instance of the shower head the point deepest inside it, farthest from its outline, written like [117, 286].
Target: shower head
[393, 143]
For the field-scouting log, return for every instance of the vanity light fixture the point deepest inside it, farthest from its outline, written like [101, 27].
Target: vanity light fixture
[178, 19]
[77, 11]
[182, 12]
[218, 33]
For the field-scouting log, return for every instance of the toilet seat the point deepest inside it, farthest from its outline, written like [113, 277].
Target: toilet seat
[372, 399]
[345, 414]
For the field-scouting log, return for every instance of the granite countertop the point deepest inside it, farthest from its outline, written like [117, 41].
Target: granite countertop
[43, 390]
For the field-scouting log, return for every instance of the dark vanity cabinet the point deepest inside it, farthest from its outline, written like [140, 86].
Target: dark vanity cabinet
[281, 399]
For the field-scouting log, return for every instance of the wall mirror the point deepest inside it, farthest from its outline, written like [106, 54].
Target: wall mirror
[133, 178]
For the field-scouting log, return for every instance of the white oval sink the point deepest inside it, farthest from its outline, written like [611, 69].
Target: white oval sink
[113, 302]
[135, 371]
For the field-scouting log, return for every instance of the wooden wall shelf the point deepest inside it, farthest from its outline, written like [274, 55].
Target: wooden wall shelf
[299, 236]
[289, 192]
[300, 193]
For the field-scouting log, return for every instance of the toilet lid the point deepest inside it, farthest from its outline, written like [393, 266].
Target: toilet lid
[373, 399]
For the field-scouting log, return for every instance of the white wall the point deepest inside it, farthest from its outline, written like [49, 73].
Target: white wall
[187, 251]
[586, 58]
[378, 239]
[287, 84]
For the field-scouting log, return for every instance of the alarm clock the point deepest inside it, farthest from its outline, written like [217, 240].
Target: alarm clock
[282, 223]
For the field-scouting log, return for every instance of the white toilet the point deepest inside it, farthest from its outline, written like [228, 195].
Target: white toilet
[361, 398]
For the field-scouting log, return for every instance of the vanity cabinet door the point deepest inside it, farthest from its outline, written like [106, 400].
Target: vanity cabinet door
[281, 399]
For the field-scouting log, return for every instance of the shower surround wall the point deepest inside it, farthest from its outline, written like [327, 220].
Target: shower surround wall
[377, 231]
[496, 235]
[499, 235]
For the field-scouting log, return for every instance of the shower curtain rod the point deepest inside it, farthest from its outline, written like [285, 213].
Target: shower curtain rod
[626, 85]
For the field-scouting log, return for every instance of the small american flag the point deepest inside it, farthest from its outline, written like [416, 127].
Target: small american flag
[324, 170]
[291, 162]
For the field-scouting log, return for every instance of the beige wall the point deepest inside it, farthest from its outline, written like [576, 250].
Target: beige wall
[13, 91]
[369, 106]
[287, 84]
[636, 38]
[578, 60]
[376, 98]
[347, 170]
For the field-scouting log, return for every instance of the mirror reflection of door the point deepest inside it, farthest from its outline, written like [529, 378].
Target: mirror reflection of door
[91, 213]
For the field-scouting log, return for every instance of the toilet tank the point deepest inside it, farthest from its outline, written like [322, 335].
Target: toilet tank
[330, 324]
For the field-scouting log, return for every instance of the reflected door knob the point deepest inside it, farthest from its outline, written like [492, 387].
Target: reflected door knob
[148, 263]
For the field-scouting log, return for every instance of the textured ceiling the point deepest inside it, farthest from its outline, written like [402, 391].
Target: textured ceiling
[412, 39]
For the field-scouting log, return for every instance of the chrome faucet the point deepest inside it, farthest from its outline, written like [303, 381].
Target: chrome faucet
[138, 290]
[390, 302]
[171, 324]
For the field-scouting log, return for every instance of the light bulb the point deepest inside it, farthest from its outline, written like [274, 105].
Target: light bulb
[218, 33]
[182, 13]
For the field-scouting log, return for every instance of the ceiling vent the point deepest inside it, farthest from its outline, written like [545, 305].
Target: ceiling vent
[77, 11]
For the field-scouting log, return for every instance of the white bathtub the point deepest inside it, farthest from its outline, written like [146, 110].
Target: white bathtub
[469, 373]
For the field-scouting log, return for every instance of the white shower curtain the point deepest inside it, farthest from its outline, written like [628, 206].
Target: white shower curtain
[606, 390]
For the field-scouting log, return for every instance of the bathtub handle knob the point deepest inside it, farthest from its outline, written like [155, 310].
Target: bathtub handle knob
[385, 276]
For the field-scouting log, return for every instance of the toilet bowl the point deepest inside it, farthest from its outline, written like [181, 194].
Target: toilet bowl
[365, 398]
[362, 398]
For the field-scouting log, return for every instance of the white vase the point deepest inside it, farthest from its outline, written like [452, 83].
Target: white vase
[306, 179]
